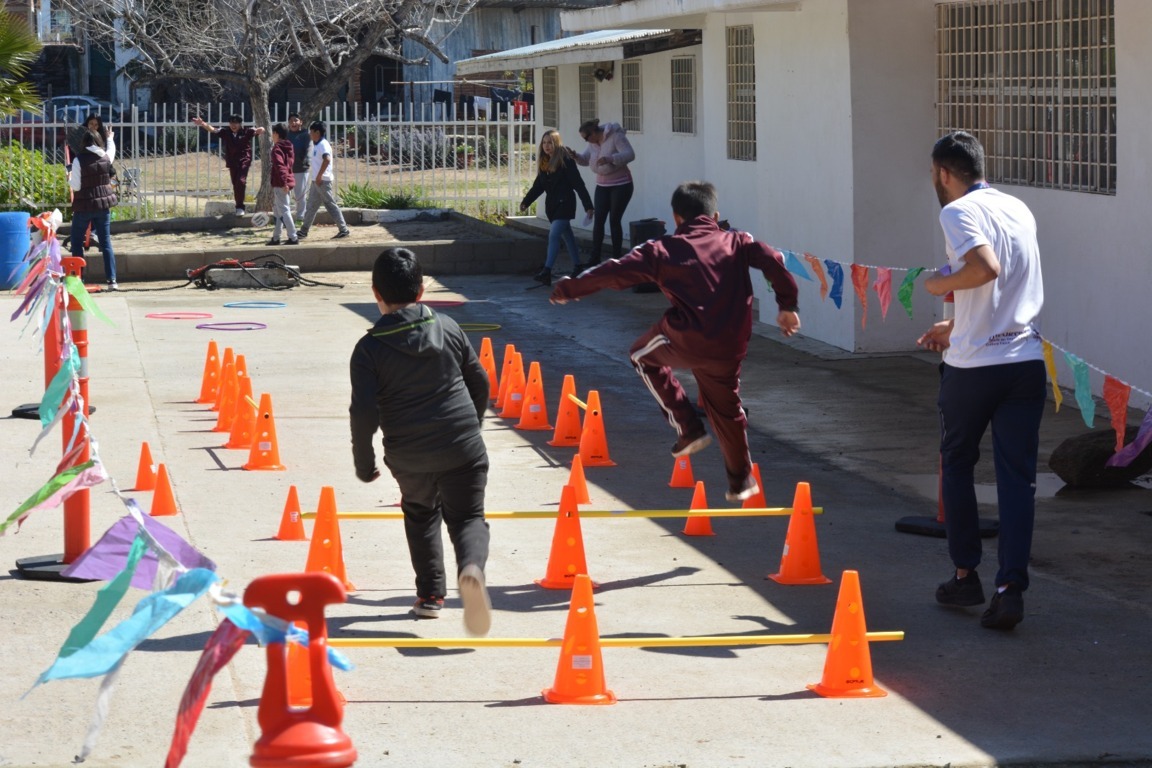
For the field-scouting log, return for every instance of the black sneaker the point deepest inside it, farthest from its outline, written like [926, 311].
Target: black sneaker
[341, 234]
[544, 276]
[292, 241]
[1006, 610]
[747, 490]
[427, 607]
[273, 241]
[961, 593]
[577, 269]
[690, 444]
[301, 234]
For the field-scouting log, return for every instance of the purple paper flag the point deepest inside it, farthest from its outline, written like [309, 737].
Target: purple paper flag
[106, 558]
[1125, 455]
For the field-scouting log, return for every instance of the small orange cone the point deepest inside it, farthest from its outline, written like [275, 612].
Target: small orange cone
[682, 476]
[578, 482]
[593, 441]
[291, 524]
[566, 560]
[800, 563]
[326, 553]
[580, 673]
[163, 500]
[698, 526]
[757, 500]
[567, 434]
[848, 666]
[229, 392]
[241, 366]
[244, 425]
[229, 360]
[265, 451]
[210, 382]
[488, 362]
[535, 413]
[505, 374]
[514, 392]
[145, 470]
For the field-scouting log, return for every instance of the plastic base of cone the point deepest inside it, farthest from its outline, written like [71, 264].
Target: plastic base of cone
[922, 525]
[565, 583]
[552, 697]
[872, 692]
[780, 579]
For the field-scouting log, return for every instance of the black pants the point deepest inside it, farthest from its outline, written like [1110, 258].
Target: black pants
[455, 496]
[610, 203]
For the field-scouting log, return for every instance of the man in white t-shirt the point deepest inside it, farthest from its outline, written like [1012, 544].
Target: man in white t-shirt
[993, 373]
[322, 188]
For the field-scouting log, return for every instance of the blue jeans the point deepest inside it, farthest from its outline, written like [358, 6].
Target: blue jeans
[1010, 397]
[101, 222]
[561, 229]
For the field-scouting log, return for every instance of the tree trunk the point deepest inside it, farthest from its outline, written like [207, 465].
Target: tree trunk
[258, 93]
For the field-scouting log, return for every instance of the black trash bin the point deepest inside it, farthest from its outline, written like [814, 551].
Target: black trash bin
[641, 231]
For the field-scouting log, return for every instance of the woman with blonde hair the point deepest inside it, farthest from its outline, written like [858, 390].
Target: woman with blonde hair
[560, 181]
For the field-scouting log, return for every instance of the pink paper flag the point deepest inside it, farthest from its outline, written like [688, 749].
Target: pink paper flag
[883, 288]
[1116, 395]
[1136, 447]
[860, 285]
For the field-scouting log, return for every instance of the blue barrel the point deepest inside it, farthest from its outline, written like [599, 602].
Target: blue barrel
[15, 240]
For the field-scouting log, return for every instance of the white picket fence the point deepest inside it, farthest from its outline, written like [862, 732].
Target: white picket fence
[167, 166]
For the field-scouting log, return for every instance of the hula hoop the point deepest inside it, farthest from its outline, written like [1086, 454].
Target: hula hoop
[242, 326]
[179, 315]
[255, 305]
[480, 327]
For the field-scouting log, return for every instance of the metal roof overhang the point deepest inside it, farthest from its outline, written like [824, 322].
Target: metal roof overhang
[605, 45]
[638, 14]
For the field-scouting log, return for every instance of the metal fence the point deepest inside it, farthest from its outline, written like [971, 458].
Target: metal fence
[403, 154]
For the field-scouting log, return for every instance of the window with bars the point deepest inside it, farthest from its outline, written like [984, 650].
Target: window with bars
[587, 92]
[1036, 83]
[741, 93]
[684, 94]
[550, 98]
[630, 96]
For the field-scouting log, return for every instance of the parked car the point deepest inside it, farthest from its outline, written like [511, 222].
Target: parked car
[34, 131]
[74, 109]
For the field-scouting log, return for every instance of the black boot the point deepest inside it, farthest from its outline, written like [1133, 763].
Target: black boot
[544, 276]
[577, 269]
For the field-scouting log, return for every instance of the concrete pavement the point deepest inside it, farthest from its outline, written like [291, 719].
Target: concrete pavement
[1067, 687]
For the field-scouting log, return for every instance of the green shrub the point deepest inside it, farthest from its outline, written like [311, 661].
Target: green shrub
[179, 139]
[374, 198]
[30, 181]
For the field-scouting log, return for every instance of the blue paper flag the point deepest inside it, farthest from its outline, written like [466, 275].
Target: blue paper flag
[1083, 388]
[793, 265]
[837, 273]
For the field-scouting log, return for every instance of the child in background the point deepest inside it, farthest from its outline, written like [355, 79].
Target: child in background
[237, 143]
[283, 155]
[560, 181]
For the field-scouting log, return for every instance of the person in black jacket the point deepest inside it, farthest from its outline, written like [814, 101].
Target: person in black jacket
[93, 197]
[560, 181]
[416, 378]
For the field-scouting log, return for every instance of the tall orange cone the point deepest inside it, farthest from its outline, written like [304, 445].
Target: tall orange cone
[514, 392]
[580, 673]
[682, 476]
[800, 563]
[229, 392]
[698, 526]
[210, 381]
[848, 666]
[757, 500]
[578, 482]
[505, 374]
[326, 553]
[229, 360]
[241, 366]
[535, 413]
[163, 500]
[145, 470]
[299, 682]
[488, 362]
[291, 524]
[566, 560]
[593, 441]
[567, 434]
[265, 451]
[244, 425]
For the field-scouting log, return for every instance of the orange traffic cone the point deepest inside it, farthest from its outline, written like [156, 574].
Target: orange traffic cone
[291, 524]
[757, 500]
[682, 473]
[163, 500]
[265, 451]
[210, 382]
[567, 434]
[848, 666]
[578, 482]
[488, 362]
[566, 560]
[326, 553]
[244, 425]
[229, 392]
[514, 392]
[535, 413]
[580, 673]
[505, 374]
[299, 675]
[229, 359]
[800, 563]
[241, 366]
[593, 441]
[145, 470]
[698, 526]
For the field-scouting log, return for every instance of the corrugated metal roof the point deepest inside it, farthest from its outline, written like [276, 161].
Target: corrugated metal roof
[607, 44]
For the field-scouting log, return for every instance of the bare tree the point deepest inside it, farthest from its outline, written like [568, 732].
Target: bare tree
[256, 45]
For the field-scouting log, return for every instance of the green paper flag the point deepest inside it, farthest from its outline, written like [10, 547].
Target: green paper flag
[1083, 388]
[46, 492]
[77, 289]
[107, 599]
[904, 294]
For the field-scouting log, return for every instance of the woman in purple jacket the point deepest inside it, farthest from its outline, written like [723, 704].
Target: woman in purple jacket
[608, 155]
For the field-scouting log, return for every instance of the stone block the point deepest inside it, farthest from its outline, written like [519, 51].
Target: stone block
[1080, 461]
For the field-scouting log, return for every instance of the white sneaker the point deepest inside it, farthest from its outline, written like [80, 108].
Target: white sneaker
[239, 211]
[474, 595]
